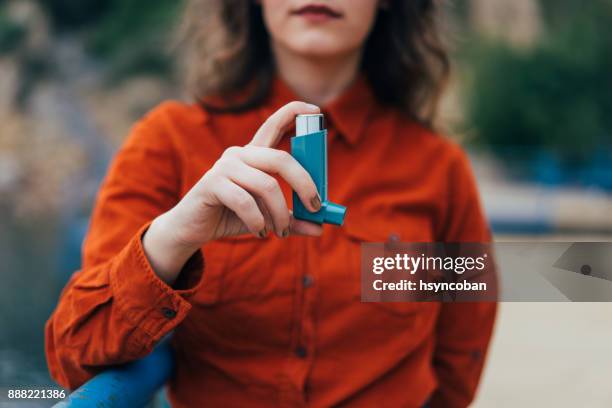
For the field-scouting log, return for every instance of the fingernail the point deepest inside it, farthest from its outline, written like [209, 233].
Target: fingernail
[312, 107]
[285, 233]
[262, 233]
[316, 202]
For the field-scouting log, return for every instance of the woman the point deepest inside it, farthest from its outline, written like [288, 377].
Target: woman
[192, 234]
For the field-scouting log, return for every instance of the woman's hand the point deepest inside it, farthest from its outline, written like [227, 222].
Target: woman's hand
[236, 196]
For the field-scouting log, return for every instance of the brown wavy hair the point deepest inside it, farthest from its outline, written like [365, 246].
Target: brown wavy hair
[227, 53]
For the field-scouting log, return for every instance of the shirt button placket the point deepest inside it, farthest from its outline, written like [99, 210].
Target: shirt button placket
[301, 352]
[305, 350]
[307, 281]
[292, 390]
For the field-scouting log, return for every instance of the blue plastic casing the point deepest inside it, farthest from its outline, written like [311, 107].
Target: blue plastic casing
[129, 386]
[311, 152]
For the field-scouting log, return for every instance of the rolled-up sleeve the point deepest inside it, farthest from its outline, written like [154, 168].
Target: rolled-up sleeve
[115, 309]
[143, 299]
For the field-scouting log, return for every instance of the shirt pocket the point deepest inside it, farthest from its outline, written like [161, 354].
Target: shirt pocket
[388, 230]
[245, 299]
[242, 268]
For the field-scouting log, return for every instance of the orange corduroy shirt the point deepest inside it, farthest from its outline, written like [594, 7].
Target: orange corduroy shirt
[279, 322]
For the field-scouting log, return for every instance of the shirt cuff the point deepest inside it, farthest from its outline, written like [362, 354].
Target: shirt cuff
[143, 299]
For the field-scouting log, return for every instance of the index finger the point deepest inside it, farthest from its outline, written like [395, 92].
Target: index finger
[273, 128]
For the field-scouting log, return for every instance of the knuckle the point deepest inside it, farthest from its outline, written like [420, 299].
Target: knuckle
[221, 162]
[225, 163]
[210, 178]
[232, 151]
[283, 156]
[214, 176]
[269, 185]
[243, 202]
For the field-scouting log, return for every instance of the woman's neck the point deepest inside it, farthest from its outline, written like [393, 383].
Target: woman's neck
[316, 80]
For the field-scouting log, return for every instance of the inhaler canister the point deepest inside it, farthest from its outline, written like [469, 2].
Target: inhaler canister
[306, 124]
[309, 147]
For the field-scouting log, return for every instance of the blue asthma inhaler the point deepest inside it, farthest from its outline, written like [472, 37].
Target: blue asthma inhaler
[309, 148]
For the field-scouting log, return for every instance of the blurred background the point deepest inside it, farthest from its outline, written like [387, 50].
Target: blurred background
[531, 100]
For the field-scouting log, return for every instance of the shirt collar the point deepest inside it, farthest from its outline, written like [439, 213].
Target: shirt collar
[348, 114]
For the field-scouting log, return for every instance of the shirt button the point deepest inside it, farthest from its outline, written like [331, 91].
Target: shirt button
[301, 352]
[168, 313]
[394, 237]
[307, 281]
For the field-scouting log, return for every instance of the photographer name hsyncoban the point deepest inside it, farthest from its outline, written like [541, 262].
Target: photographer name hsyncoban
[407, 285]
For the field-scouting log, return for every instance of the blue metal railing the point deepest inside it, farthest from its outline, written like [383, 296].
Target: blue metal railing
[129, 386]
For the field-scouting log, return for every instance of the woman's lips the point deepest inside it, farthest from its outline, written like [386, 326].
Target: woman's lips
[317, 13]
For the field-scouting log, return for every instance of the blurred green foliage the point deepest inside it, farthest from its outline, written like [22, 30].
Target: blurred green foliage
[131, 35]
[555, 96]
[134, 23]
[71, 14]
[135, 35]
[11, 34]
